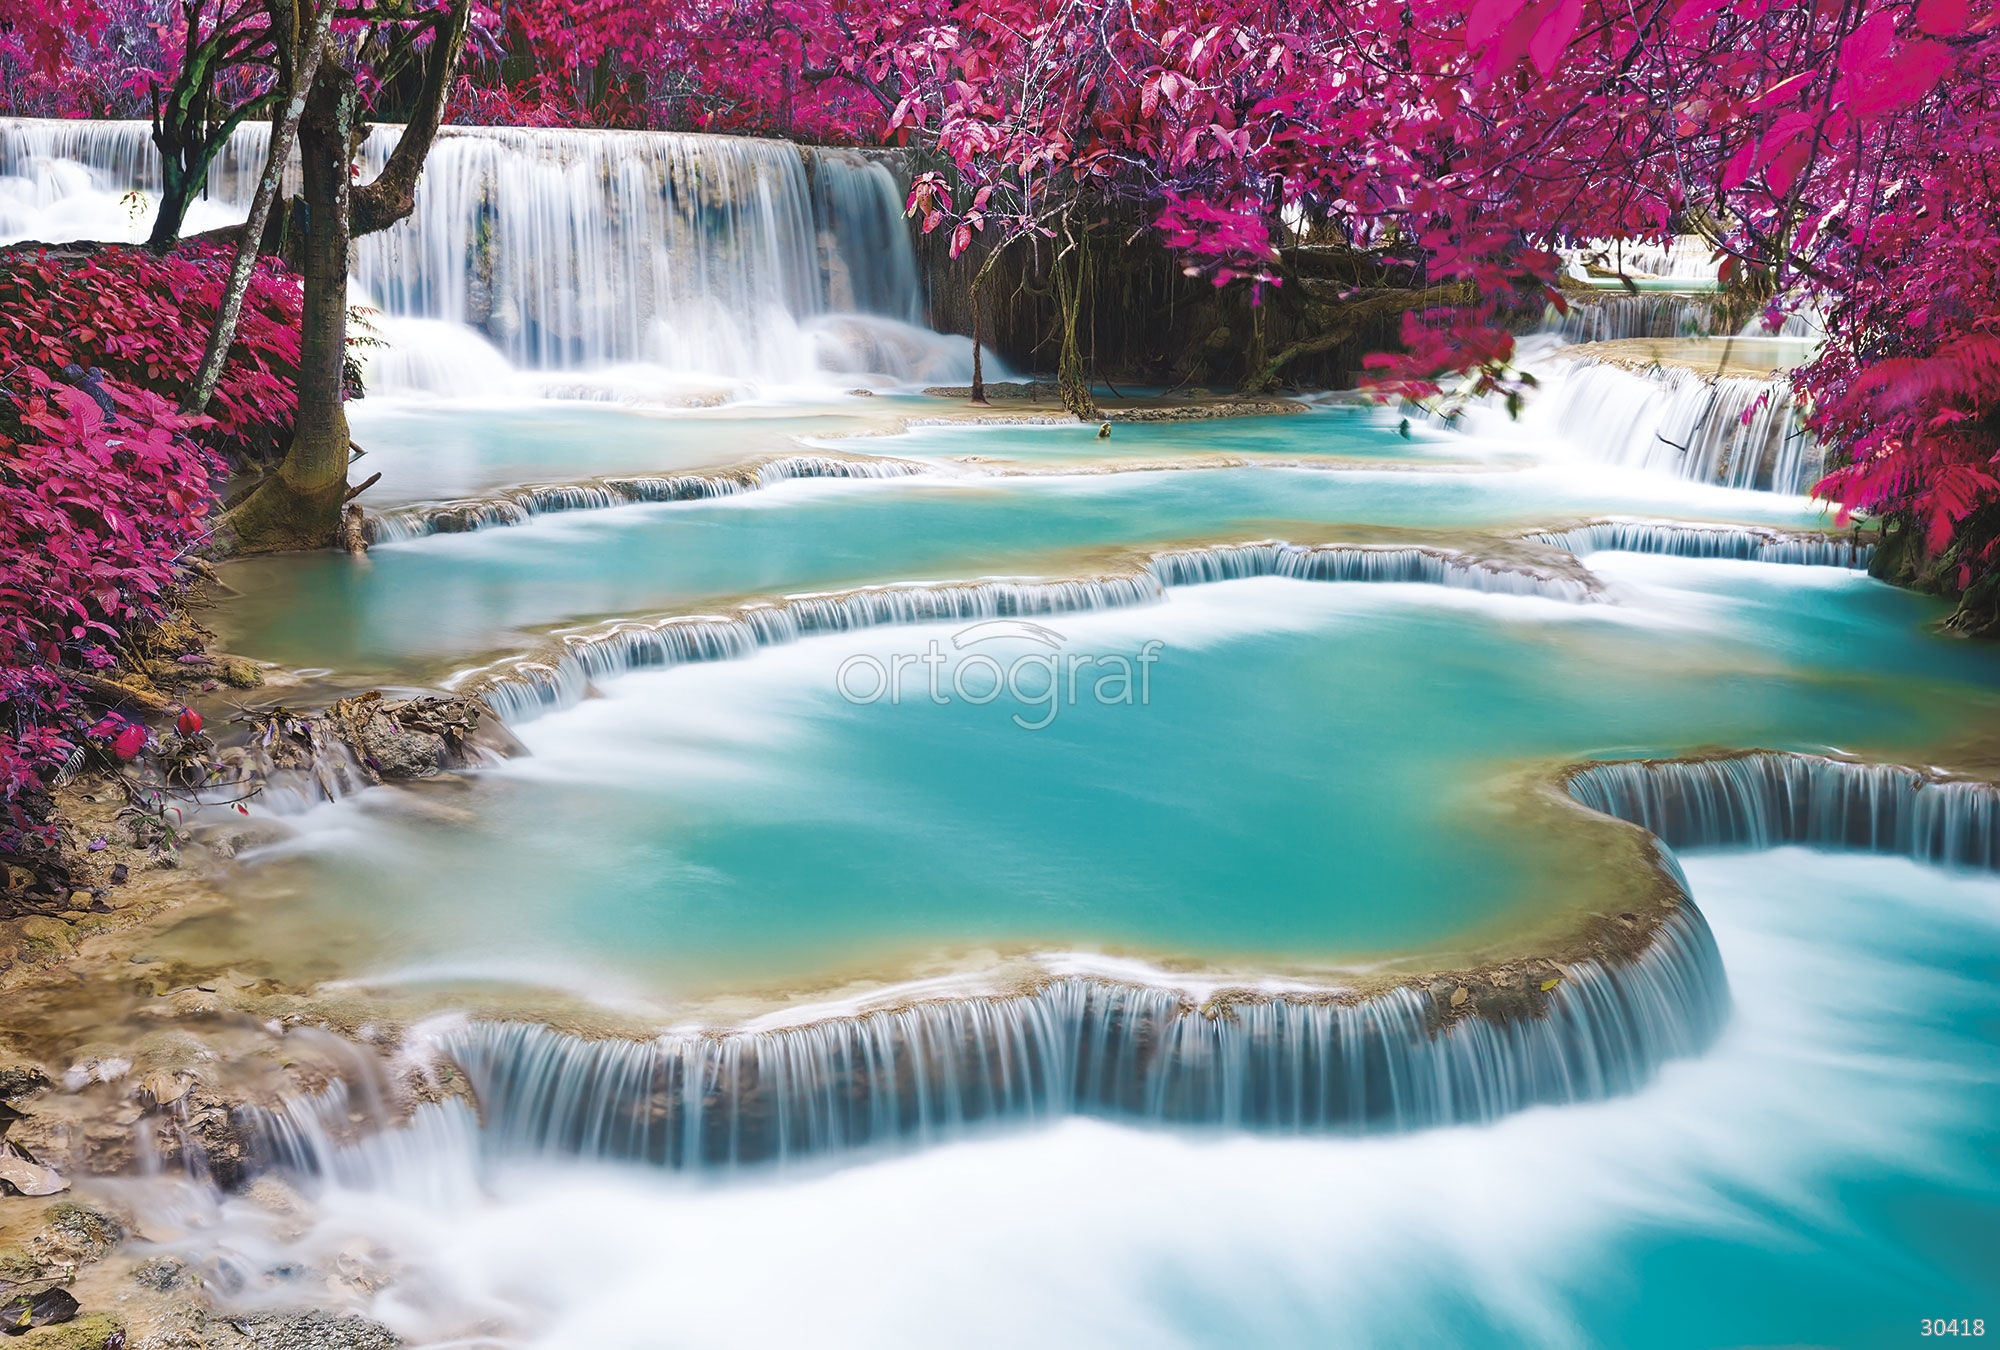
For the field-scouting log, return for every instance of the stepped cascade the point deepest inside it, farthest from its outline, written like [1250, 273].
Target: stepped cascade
[1732, 431]
[1633, 316]
[526, 688]
[555, 251]
[726, 805]
[1076, 1046]
[1762, 800]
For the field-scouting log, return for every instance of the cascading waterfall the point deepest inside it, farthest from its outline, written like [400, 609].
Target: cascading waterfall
[520, 505]
[1733, 431]
[1687, 257]
[557, 250]
[1633, 316]
[524, 689]
[1369, 563]
[936, 1069]
[1689, 540]
[1761, 799]
[927, 1072]
[528, 688]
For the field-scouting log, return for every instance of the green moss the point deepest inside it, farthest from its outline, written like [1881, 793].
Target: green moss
[18, 1263]
[92, 1332]
[239, 672]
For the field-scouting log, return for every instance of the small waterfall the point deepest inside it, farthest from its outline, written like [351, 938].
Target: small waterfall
[1761, 799]
[524, 689]
[1656, 315]
[1736, 432]
[557, 250]
[1687, 257]
[520, 505]
[1369, 563]
[1079, 1046]
[1686, 540]
[330, 1135]
[858, 199]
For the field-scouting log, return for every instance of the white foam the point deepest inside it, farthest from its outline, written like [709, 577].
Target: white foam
[1838, 1065]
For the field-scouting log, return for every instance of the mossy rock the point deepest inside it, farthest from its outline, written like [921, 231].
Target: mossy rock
[239, 672]
[81, 1232]
[46, 937]
[96, 1331]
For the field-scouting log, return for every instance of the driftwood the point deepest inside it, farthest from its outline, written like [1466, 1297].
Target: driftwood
[116, 693]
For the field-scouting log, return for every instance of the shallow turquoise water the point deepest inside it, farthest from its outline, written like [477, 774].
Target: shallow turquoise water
[1307, 778]
[428, 452]
[448, 597]
[1343, 431]
[1319, 773]
[1828, 1174]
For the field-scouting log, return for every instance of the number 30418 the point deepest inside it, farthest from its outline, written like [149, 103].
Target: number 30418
[1954, 1326]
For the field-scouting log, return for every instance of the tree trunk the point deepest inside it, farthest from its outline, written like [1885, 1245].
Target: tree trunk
[1072, 280]
[978, 372]
[283, 129]
[299, 505]
[393, 193]
[179, 184]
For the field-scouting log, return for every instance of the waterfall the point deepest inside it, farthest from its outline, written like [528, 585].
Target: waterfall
[1686, 257]
[1334, 1062]
[558, 250]
[1691, 540]
[1737, 432]
[1761, 799]
[932, 1070]
[519, 505]
[1656, 315]
[523, 689]
[1369, 563]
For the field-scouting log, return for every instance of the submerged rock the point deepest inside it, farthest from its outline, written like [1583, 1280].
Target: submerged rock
[405, 739]
[314, 1330]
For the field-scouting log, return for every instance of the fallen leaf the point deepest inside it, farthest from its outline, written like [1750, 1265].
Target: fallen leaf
[31, 1178]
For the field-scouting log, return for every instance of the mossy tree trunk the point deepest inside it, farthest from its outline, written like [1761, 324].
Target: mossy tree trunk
[978, 370]
[299, 505]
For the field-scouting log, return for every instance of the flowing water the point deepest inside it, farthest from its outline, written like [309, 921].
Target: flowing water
[1825, 1174]
[1215, 884]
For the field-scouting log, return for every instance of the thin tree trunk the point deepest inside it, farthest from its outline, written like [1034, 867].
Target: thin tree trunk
[1072, 278]
[978, 287]
[978, 371]
[230, 313]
